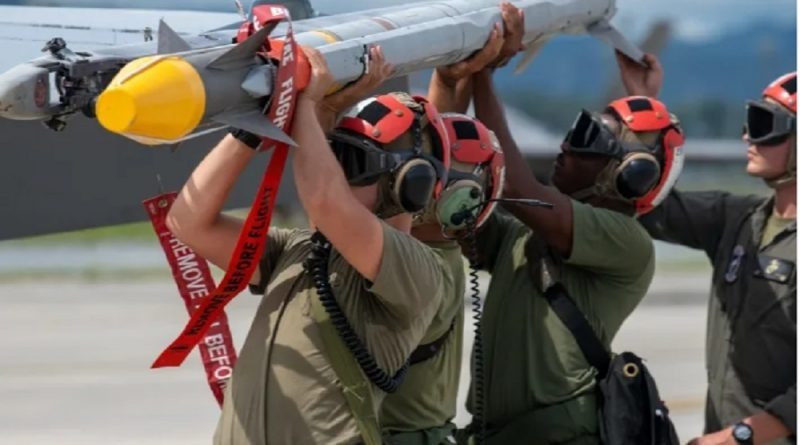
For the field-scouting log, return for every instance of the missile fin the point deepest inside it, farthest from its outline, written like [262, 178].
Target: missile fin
[241, 55]
[254, 122]
[169, 41]
[605, 32]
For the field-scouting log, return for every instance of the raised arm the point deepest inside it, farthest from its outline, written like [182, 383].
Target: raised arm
[352, 229]
[554, 225]
[449, 95]
[196, 217]
[331, 107]
[450, 88]
[641, 80]
[696, 219]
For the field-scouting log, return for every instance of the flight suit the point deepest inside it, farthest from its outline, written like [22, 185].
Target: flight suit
[752, 326]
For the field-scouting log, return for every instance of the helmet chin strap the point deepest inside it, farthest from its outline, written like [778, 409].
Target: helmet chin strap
[791, 170]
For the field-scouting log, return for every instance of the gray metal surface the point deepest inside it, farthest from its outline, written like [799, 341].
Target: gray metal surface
[86, 177]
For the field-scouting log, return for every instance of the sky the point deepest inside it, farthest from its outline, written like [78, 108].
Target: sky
[692, 19]
[703, 19]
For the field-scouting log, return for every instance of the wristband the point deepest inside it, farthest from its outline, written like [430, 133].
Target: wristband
[246, 138]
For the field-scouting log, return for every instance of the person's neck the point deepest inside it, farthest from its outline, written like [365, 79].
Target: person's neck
[428, 233]
[786, 201]
[401, 222]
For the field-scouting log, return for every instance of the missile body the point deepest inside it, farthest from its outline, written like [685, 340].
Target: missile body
[193, 86]
[425, 35]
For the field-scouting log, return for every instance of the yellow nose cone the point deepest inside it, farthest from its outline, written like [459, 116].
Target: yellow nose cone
[153, 99]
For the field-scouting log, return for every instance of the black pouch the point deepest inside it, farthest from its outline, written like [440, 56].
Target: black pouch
[630, 409]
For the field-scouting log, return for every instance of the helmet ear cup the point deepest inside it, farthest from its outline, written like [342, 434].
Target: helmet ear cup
[414, 184]
[636, 175]
[457, 197]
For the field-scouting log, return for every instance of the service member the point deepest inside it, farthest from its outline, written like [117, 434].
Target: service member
[386, 285]
[539, 388]
[751, 340]
[421, 411]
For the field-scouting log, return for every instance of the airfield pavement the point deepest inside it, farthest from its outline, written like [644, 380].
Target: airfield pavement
[76, 355]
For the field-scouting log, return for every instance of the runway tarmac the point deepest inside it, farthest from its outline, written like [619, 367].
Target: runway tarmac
[76, 355]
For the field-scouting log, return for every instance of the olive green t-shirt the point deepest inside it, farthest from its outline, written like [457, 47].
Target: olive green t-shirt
[531, 360]
[775, 225]
[427, 397]
[283, 389]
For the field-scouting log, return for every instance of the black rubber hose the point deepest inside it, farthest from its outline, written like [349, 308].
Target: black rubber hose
[478, 381]
[317, 267]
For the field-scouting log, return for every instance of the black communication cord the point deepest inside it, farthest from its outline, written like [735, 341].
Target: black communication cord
[478, 419]
[478, 425]
[317, 267]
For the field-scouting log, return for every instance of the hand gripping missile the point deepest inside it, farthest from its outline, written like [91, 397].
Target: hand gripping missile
[429, 34]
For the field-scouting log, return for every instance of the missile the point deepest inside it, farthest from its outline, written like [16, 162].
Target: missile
[184, 88]
[54, 87]
[165, 100]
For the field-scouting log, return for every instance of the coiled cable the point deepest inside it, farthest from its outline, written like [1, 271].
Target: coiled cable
[478, 380]
[316, 266]
[478, 426]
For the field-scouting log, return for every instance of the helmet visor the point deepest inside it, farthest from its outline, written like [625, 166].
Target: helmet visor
[362, 162]
[589, 135]
[767, 123]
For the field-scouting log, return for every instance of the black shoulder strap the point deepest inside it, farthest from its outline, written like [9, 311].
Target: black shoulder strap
[572, 317]
[429, 350]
